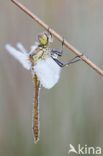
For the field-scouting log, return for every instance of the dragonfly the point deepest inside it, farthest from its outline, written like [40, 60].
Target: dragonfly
[45, 66]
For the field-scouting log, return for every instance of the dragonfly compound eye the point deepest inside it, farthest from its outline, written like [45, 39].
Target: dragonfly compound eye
[43, 39]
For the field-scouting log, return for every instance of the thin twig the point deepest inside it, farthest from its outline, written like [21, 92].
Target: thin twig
[56, 35]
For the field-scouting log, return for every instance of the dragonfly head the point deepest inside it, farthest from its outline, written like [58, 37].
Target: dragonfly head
[44, 39]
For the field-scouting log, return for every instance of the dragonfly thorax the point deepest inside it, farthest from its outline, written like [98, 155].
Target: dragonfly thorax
[40, 54]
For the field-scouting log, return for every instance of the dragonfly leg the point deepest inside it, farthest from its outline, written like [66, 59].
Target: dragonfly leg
[58, 62]
[58, 53]
[74, 60]
[49, 31]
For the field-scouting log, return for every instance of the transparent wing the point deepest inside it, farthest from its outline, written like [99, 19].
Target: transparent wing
[21, 57]
[33, 49]
[21, 48]
[48, 72]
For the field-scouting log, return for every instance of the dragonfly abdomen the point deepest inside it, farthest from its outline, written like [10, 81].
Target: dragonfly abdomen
[36, 120]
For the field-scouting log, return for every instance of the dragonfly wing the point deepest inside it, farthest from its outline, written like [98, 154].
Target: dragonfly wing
[33, 49]
[21, 57]
[48, 72]
[21, 48]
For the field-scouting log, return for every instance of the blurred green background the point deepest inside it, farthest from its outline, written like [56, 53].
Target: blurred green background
[71, 112]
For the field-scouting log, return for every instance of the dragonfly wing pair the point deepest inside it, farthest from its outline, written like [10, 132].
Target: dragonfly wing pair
[47, 70]
[20, 56]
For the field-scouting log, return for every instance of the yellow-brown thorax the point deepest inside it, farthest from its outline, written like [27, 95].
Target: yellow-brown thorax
[41, 53]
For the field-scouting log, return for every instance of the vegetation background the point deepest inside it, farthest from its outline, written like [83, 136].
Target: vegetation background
[71, 112]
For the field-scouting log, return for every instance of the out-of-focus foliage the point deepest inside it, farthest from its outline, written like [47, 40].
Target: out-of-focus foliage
[71, 112]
